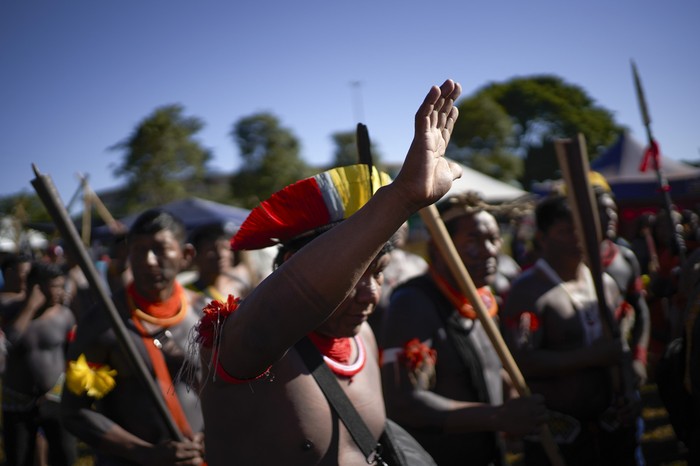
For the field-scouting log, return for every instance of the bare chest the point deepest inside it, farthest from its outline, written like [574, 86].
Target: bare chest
[288, 410]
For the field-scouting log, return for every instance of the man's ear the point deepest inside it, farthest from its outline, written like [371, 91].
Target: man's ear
[188, 254]
[539, 238]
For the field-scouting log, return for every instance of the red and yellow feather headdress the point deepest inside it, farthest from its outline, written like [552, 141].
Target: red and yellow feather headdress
[307, 205]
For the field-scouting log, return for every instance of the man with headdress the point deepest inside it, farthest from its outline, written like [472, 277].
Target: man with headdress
[442, 376]
[104, 402]
[261, 405]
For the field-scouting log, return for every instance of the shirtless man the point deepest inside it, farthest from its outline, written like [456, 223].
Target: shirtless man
[217, 277]
[553, 328]
[261, 405]
[123, 425]
[620, 262]
[452, 402]
[37, 337]
[15, 270]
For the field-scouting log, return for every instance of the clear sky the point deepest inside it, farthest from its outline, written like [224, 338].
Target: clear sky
[77, 76]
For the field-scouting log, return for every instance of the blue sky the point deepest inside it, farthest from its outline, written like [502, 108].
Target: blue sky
[77, 76]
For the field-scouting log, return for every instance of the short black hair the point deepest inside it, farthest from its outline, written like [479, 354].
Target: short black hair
[42, 272]
[208, 232]
[154, 220]
[550, 210]
[12, 260]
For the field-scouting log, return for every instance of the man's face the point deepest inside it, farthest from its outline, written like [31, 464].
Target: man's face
[607, 209]
[155, 260]
[560, 240]
[214, 255]
[17, 276]
[360, 303]
[477, 239]
[54, 290]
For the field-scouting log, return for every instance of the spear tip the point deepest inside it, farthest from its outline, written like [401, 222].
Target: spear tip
[640, 97]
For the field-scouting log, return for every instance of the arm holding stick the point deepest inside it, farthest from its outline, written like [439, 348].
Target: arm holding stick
[444, 242]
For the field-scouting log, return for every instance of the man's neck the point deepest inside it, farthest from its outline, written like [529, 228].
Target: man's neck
[156, 296]
[214, 278]
[565, 267]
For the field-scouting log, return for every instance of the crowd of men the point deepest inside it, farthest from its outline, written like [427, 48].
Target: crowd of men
[256, 373]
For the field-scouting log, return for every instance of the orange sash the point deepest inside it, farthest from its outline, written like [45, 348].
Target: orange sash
[165, 381]
[460, 302]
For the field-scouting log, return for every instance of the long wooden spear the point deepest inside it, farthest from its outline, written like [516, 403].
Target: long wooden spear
[443, 240]
[654, 154]
[573, 161]
[45, 189]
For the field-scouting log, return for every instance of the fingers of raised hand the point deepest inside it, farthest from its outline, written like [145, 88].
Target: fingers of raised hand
[450, 124]
[439, 102]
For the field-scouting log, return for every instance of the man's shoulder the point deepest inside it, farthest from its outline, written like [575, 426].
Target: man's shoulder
[526, 279]
[417, 295]
[529, 287]
[94, 325]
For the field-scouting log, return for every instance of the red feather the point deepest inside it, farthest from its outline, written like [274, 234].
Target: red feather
[288, 213]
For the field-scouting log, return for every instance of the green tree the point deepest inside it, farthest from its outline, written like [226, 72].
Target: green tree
[483, 139]
[27, 208]
[540, 109]
[270, 156]
[345, 152]
[162, 160]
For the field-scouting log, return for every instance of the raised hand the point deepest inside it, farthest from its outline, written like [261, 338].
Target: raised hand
[426, 175]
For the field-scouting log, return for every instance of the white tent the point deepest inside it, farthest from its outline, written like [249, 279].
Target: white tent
[12, 241]
[491, 189]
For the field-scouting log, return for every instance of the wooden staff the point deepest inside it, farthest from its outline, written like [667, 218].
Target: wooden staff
[45, 189]
[447, 249]
[102, 211]
[87, 213]
[573, 161]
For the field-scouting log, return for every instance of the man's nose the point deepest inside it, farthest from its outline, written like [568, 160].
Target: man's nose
[367, 289]
[151, 258]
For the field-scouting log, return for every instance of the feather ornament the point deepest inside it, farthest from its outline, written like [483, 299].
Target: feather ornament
[307, 205]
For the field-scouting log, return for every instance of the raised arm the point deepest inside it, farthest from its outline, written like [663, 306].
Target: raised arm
[307, 288]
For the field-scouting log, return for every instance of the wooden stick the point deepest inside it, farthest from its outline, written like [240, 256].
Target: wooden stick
[87, 214]
[95, 200]
[573, 160]
[447, 249]
[45, 189]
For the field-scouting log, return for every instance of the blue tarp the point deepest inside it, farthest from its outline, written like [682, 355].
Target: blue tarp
[620, 163]
[194, 212]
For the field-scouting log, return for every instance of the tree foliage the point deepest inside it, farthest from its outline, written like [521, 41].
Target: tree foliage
[271, 158]
[162, 161]
[483, 139]
[25, 207]
[521, 118]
